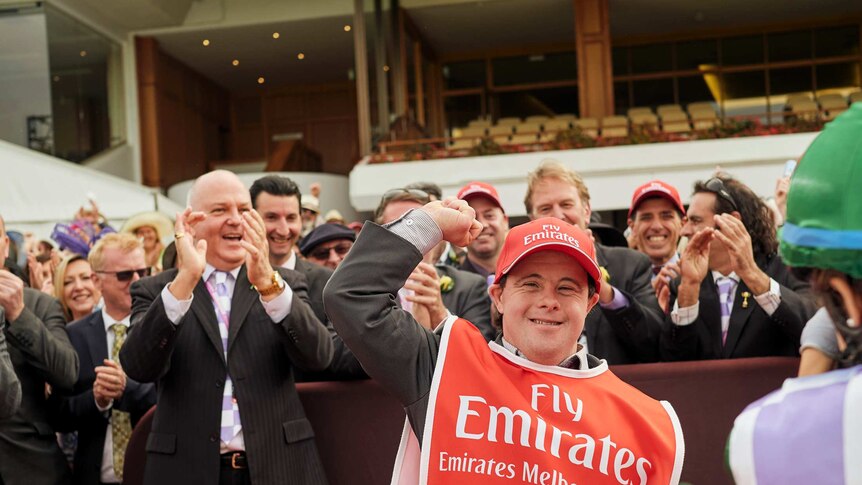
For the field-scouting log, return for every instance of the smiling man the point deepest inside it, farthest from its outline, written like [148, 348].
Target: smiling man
[482, 253]
[655, 218]
[222, 335]
[456, 388]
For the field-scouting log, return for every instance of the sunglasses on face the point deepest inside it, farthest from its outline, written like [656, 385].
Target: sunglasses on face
[128, 274]
[323, 253]
[716, 186]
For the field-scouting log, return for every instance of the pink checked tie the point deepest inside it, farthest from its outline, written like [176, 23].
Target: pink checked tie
[726, 287]
[230, 424]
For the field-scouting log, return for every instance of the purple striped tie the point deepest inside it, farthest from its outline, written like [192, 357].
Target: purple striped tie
[230, 424]
[726, 286]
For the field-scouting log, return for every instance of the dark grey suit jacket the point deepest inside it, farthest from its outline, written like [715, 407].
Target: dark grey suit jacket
[316, 276]
[468, 299]
[78, 411]
[10, 388]
[41, 354]
[188, 362]
[629, 335]
[752, 333]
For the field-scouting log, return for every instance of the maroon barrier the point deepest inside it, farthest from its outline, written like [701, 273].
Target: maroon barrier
[358, 425]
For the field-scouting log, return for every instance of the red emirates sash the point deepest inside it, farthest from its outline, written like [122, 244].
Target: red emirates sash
[495, 418]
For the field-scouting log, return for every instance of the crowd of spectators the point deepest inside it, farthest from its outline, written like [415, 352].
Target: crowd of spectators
[702, 282]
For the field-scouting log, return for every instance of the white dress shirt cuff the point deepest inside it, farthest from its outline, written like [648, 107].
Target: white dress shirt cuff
[770, 300]
[279, 307]
[175, 309]
[684, 316]
[418, 228]
[106, 408]
[620, 300]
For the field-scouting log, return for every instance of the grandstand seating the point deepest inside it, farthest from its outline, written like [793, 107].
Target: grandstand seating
[804, 109]
[615, 126]
[675, 122]
[589, 126]
[526, 133]
[856, 97]
[832, 105]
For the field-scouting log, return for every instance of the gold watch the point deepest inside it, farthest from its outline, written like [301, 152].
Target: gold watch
[276, 286]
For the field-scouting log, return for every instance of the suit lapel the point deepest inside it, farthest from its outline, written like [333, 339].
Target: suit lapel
[97, 340]
[202, 306]
[738, 318]
[243, 298]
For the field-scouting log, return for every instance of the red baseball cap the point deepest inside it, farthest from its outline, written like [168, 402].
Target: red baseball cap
[656, 188]
[548, 234]
[481, 188]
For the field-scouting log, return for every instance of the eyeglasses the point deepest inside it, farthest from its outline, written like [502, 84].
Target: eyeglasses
[419, 194]
[323, 253]
[716, 186]
[128, 274]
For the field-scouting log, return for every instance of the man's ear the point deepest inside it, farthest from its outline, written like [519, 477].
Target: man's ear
[736, 214]
[593, 300]
[495, 291]
[97, 281]
[850, 300]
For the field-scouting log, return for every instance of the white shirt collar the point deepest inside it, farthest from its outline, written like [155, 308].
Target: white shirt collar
[716, 275]
[208, 271]
[109, 321]
[291, 261]
[580, 355]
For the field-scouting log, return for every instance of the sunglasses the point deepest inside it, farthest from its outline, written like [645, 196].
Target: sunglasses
[716, 186]
[419, 194]
[128, 274]
[323, 253]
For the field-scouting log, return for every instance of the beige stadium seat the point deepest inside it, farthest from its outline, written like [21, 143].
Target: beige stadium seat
[474, 133]
[537, 119]
[668, 108]
[500, 134]
[832, 105]
[701, 106]
[526, 133]
[856, 97]
[554, 126]
[588, 126]
[805, 109]
[647, 120]
[615, 126]
[565, 116]
[479, 124]
[632, 112]
[703, 115]
[508, 121]
[675, 122]
[795, 98]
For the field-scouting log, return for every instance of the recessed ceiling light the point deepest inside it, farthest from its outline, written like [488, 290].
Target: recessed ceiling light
[235, 62]
[206, 42]
[261, 80]
[347, 28]
[385, 68]
[276, 35]
[300, 56]
[83, 53]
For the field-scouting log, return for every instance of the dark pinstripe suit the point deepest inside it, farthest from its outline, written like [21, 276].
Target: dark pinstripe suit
[187, 361]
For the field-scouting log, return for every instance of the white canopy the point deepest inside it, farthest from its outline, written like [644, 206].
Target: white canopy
[38, 190]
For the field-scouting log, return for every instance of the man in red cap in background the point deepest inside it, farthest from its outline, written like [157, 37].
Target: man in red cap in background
[576, 421]
[483, 252]
[655, 218]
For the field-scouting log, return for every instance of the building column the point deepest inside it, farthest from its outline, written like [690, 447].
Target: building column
[593, 47]
[147, 52]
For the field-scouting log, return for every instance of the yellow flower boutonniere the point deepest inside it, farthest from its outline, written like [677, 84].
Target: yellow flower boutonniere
[606, 277]
[446, 284]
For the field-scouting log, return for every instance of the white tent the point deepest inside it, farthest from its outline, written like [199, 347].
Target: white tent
[38, 190]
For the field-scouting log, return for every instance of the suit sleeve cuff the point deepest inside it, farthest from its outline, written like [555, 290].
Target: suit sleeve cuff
[175, 309]
[103, 409]
[279, 307]
[418, 228]
[770, 300]
[684, 316]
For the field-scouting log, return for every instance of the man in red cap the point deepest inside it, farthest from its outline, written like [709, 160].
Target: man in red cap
[483, 252]
[655, 218]
[456, 388]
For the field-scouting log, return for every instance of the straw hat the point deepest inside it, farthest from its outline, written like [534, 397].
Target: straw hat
[158, 221]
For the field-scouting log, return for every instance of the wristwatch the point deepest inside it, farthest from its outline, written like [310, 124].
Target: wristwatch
[276, 286]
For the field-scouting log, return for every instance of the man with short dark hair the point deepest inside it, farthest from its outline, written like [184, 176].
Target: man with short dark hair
[625, 326]
[483, 252]
[435, 291]
[41, 354]
[735, 297]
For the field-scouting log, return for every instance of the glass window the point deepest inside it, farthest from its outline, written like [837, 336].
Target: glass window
[693, 54]
[789, 46]
[693, 89]
[467, 74]
[651, 58]
[537, 102]
[790, 80]
[837, 41]
[736, 51]
[621, 97]
[843, 75]
[620, 60]
[460, 110]
[535, 68]
[739, 85]
[653, 92]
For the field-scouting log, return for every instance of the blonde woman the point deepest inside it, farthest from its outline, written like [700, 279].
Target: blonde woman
[75, 288]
